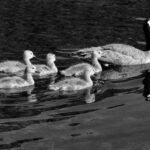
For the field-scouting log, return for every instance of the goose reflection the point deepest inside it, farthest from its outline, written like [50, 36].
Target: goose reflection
[119, 87]
[123, 72]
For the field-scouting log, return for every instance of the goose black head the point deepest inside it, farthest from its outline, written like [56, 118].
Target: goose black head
[146, 28]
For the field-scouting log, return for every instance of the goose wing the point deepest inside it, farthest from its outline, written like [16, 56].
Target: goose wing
[125, 50]
[117, 58]
[114, 47]
[86, 52]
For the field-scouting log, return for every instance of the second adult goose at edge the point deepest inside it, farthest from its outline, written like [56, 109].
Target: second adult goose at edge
[80, 68]
[121, 54]
[13, 67]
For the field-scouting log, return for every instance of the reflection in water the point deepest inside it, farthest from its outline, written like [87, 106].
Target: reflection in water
[89, 97]
[10, 91]
[114, 88]
[88, 94]
[32, 98]
[16, 93]
[123, 72]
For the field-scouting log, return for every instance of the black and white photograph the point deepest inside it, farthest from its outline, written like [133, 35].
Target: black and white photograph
[74, 75]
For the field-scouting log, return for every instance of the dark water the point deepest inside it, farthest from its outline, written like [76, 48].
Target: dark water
[113, 115]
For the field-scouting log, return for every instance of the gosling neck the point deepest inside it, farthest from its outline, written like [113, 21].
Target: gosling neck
[29, 78]
[52, 66]
[96, 64]
[27, 61]
[87, 78]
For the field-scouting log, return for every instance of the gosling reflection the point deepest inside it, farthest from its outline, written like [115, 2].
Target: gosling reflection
[146, 83]
[89, 96]
[10, 91]
[31, 97]
[25, 92]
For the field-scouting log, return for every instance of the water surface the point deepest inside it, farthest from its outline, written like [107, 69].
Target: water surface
[113, 115]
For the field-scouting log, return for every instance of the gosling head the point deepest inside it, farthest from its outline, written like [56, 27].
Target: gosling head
[30, 69]
[28, 54]
[50, 57]
[97, 54]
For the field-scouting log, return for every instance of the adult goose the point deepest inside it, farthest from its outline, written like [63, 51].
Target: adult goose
[18, 82]
[50, 68]
[80, 68]
[17, 66]
[121, 54]
[74, 83]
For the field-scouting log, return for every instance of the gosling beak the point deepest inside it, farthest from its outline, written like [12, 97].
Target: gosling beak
[102, 54]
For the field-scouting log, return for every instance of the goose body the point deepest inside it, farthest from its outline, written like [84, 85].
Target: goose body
[15, 67]
[80, 68]
[50, 68]
[121, 54]
[74, 83]
[18, 82]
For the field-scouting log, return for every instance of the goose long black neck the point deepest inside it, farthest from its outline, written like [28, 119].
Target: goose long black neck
[146, 28]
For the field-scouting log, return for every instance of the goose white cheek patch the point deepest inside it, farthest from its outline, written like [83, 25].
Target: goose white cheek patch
[148, 22]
